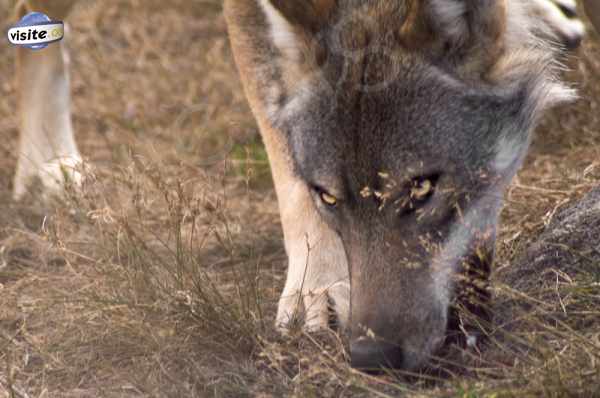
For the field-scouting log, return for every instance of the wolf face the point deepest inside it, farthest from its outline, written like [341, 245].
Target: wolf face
[411, 178]
[404, 121]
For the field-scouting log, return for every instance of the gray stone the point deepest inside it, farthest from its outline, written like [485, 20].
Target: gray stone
[569, 245]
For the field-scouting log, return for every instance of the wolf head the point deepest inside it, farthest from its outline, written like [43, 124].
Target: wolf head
[406, 120]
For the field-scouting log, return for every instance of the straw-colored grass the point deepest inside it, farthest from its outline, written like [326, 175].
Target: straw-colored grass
[161, 277]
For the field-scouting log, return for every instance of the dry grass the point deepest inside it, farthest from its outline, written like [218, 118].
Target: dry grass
[161, 278]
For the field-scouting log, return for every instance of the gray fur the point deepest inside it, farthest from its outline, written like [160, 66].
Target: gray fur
[379, 103]
[364, 100]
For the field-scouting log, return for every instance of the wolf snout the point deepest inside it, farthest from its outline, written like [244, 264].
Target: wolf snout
[371, 355]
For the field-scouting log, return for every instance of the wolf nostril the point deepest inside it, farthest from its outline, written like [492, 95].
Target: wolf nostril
[572, 42]
[371, 355]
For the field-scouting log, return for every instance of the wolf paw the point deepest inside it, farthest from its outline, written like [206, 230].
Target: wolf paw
[53, 177]
[309, 309]
[313, 309]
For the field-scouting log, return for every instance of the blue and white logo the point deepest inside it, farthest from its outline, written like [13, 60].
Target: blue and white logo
[35, 31]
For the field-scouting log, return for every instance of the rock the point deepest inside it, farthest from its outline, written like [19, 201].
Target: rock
[569, 245]
[557, 280]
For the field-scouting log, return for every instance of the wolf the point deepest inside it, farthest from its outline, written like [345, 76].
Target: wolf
[392, 128]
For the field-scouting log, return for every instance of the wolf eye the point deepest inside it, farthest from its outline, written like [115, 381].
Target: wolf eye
[422, 188]
[328, 199]
[325, 197]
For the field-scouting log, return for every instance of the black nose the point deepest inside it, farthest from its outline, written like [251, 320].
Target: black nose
[572, 42]
[371, 355]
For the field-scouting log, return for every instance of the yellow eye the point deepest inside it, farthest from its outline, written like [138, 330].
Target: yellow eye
[328, 199]
[421, 189]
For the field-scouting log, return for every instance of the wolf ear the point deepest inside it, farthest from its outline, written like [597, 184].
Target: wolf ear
[309, 15]
[276, 47]
[471, 30]
[293, 24]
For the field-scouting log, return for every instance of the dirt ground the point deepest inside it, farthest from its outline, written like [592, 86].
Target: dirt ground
[161, 278]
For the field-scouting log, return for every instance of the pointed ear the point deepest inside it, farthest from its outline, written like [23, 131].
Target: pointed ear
[276, 48]
[472, 31]
[308, 15]
[293, 25]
